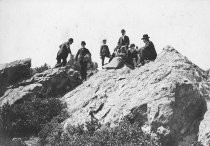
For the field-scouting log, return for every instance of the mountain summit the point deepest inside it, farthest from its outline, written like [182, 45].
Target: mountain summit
[168, 98]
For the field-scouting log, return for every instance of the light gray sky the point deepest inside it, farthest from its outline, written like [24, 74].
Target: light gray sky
[35, 28]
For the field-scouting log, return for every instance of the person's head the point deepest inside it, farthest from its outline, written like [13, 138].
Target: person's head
[132, 46]
[104, 41]
[70, 41]
[83, 44]
[123, 31]
[145, 38]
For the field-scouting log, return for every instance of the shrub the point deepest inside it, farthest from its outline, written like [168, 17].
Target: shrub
[27, 118]
[41, 68]
[124, 134]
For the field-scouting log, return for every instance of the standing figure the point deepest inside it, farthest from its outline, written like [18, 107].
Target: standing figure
[83, 56]
[104, 52]
[124, 40]
[147, 52]
[63, 53]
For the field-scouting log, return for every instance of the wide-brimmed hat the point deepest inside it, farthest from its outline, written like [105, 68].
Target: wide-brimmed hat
[145, 36]
[83, 43]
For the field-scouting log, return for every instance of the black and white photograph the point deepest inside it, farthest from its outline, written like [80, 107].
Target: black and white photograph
[104, 73]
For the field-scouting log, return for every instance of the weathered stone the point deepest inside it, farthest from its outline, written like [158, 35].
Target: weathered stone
[13, 72]
[51, 82]
[165, 92]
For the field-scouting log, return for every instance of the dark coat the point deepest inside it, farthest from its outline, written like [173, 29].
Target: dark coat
[104, 51]
[131, 56]
[148, 52]
[64, 50]
[80, 54]
[124, 42]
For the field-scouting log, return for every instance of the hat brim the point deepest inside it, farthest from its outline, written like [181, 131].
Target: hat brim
[145, 38]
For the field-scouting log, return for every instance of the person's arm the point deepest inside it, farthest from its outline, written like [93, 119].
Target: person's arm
[101, 50]
[88, 52]
[119, 42]
[69, 50]
[108, 51]
[76, 57]
[128, 43]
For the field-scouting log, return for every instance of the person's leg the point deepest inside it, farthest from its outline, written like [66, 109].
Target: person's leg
[58, 58]
[112, 56]
[102, 60]
[83, 70]
[142, 56]
[64, 62]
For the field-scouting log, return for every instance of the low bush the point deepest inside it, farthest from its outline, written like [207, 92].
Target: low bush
[40, 69]
[28, 118]
[91, 133]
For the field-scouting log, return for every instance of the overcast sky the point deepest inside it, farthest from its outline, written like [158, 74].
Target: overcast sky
[35, 28]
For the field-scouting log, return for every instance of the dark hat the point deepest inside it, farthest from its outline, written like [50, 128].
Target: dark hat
[123, 30]
[83, 43]
[104, 40]
[132, 45]
[70, 40]
[145, 36]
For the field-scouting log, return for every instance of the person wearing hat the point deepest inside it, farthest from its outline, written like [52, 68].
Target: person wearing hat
[147, 52]
[123, 40]
[104, 51]
[132, 56]
[63, 53]
[83, 56]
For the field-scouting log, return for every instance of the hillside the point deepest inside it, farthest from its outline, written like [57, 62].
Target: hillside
[168, 98]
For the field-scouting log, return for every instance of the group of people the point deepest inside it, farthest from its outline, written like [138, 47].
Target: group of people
[83, 56]
[130, 54]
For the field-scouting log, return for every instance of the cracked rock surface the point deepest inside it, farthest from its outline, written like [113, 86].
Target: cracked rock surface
[170, 93]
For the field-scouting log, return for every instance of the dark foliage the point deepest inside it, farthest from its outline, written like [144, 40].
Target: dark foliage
[41, 68]
[27, 118]
[91, 133]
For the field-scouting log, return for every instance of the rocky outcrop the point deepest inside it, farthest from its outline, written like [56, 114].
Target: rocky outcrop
[165, 95]
[13, 72]
[204, 128]
[51, 82]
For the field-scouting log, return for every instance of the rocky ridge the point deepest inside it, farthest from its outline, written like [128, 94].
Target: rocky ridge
[169, 94]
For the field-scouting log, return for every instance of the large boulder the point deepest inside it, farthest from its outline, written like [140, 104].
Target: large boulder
[13, 72]
[204, 128]
[52, 82]
[165, 95]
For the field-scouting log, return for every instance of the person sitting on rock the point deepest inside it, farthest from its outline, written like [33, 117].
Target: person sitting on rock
[114, 53]
[104, 51]
[63, 53]
[122, 52]
[83, 56]
[147, 52]
[123, 40]
[132, 56]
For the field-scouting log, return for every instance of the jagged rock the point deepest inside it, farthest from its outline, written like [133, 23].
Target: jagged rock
[168, 92]
[13, 72]
[50, 83]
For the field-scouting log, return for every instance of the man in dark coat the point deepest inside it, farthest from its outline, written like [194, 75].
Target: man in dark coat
[132, 56]
[147, 52]
[123, 40]
[104, 51]
[83, 56]
[63, 53]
